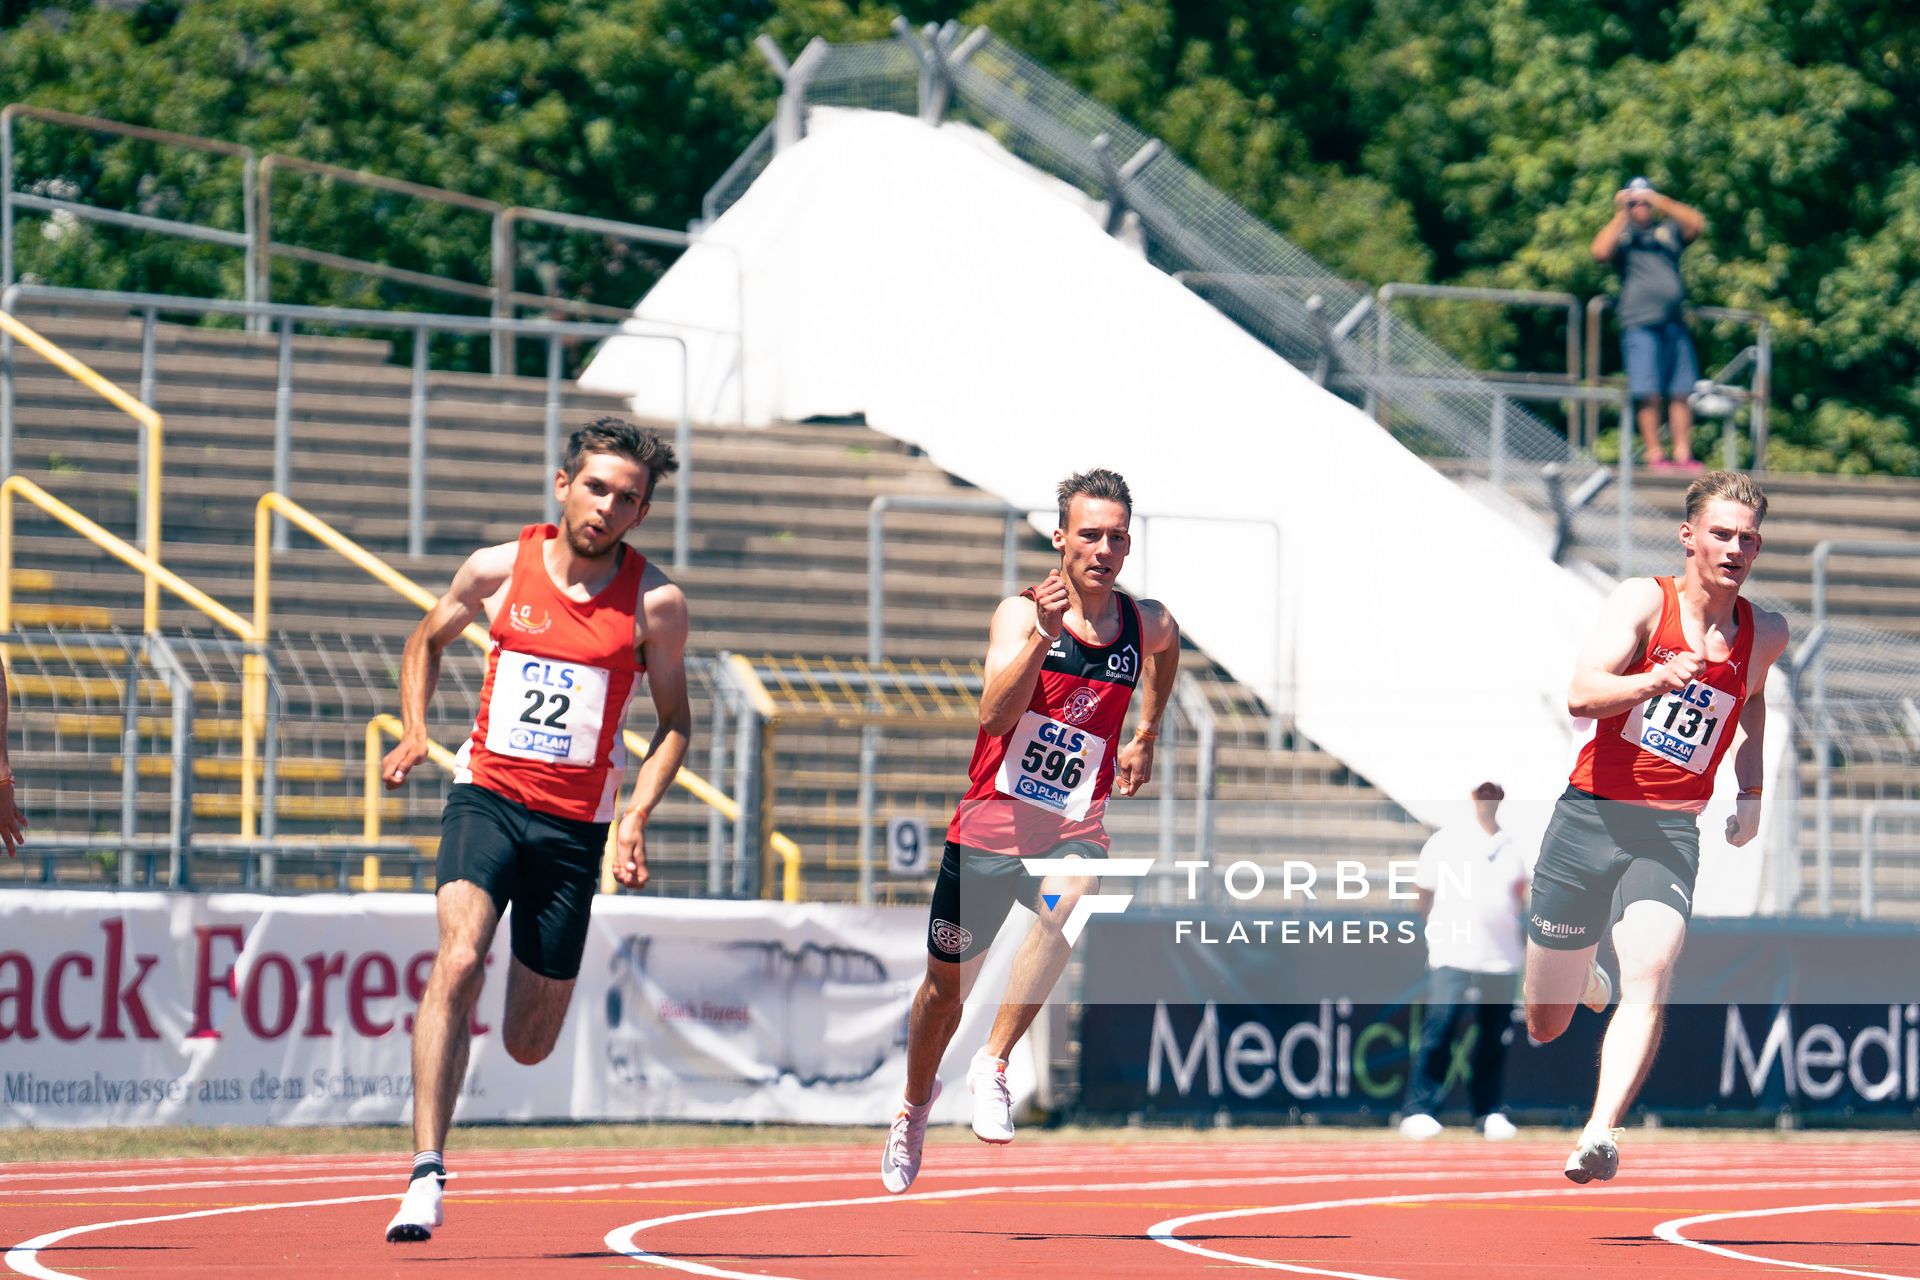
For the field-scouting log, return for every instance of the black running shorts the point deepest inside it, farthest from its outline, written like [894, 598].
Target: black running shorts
[1598, 857]
[546, 868]
[976, 889]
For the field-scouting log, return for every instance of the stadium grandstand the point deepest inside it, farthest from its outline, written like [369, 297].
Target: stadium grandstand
[940, 279]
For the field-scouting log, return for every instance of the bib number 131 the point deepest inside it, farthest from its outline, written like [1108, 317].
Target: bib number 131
[1682, 726]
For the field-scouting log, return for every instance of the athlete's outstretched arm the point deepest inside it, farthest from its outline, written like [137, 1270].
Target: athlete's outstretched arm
[1627, 619]
[1017, 643]
[1747, 748]
[664, 608]
[1160, 637]
[484, 573]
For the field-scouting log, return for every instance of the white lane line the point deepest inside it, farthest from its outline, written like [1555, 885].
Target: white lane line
[23, 1257]
[624, 1240]
[1672, 1233]
[1164, 1232]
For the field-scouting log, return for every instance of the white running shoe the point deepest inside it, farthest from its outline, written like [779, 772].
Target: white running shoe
[1599, 992]
[420, 1211]
[992, 1103]
[900, 1160]
[1420, 1125]
[1597, 1157]
[1497, 1128]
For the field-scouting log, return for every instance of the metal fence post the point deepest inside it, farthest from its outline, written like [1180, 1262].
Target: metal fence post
[1758, 421]
[269, 766]
[6, 406]
[746, 794]
[683, 478]
[869, 803]
[180, 852]
[130, 764]
[1625, 568]
[6, 206]
[502, 347]
[1167, 765]
[551, 436]
[250, 286]
[417, 450]
[147, 319]
[1497, 444]
[283, 429]
[716, 774]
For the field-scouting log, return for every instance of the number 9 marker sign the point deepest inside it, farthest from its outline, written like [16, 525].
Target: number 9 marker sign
[907, 847]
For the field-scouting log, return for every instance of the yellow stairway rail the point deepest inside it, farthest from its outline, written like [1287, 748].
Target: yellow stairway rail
[70, 365]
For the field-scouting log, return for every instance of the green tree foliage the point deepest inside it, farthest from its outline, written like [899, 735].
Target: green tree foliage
[1476, 141]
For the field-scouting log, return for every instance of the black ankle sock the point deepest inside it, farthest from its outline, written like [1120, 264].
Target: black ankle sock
[429, 1162]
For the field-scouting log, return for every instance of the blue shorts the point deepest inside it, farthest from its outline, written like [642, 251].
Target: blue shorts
[1660, 361]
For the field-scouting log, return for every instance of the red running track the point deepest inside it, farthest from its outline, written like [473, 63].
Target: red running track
[1683, 1206]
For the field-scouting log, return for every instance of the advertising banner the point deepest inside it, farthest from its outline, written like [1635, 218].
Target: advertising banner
[152, 1008]
[1754, 1028]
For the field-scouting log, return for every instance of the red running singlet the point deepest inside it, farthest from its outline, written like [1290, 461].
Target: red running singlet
[1662, 754]
[1047, 781]
[555, 696]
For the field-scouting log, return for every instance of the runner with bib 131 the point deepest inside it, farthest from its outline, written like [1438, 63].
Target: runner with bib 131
[1674, 680]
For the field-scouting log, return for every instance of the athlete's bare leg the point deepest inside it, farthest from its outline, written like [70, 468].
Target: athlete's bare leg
[935, 1017]
[1554, 983]
[1038, 964]
[1648, 939]
[440, 1029]
[536, 1010]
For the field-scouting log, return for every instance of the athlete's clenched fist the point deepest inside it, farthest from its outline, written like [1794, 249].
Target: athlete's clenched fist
[1050, 603]
[1679, 671]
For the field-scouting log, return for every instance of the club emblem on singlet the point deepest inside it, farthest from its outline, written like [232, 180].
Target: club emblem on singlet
[524, 617]
[1081, 704]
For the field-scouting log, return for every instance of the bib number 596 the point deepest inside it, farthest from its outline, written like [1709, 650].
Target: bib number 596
[1053, 764]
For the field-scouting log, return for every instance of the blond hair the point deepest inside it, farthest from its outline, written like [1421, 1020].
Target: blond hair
[1734, 486]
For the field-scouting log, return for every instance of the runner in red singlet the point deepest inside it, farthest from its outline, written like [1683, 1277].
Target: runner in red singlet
[1674, 680]
[1063, 661]
[577, 618]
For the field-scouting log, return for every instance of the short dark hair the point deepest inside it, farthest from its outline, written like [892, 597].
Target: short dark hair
[1097, 483]
[1734, 486]
[618, 436]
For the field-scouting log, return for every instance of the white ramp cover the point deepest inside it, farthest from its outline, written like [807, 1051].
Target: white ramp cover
[966, 303]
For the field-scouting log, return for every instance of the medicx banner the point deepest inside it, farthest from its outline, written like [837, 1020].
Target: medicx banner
[1730, 1047]
[145, 1008]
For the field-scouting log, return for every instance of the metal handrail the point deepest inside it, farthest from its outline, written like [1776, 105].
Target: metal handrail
[1759, 394]
[152, 429]
[157, 575]
[10, 199]
[1869, 821]
[1465, 293]
[1814, 655]
[389, 726]
[419, 323]
[256, 238]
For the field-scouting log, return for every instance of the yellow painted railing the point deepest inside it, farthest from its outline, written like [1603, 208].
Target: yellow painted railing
[385, 726]
[140, 413]
[279, 504]
[157, 576]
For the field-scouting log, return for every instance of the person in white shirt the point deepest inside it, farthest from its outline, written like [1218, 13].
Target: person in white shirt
[1472, 882]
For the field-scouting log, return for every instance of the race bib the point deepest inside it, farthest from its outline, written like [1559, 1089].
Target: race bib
[1681, 727]
[1051, 766]
[545, 709]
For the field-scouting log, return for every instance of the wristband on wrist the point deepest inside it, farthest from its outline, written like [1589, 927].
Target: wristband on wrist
[1751, 791]
[1048, 636]
[1144, 734]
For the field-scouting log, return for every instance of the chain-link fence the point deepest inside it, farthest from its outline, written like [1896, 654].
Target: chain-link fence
[105, 738]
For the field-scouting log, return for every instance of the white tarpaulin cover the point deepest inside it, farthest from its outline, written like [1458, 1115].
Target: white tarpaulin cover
[153, 1008]
[966, 303]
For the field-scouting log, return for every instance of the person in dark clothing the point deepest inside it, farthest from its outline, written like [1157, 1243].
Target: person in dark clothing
[1643, 242]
